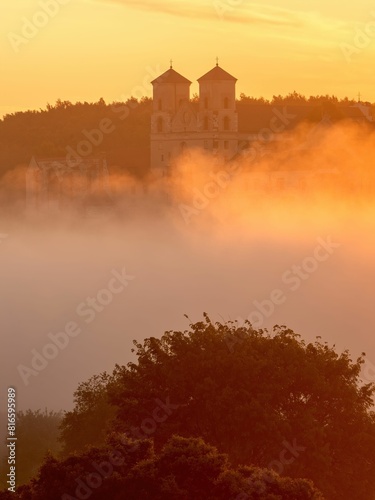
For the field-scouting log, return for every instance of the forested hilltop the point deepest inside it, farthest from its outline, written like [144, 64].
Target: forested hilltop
[219, 411]
[124, 129]
[58, 129]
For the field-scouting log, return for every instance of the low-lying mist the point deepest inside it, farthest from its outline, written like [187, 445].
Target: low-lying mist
[283, 235]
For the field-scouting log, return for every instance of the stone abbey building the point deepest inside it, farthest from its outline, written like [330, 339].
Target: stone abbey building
[178, 124]
[216, 123]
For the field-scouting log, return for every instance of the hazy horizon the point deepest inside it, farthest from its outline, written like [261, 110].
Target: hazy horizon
[188, 253]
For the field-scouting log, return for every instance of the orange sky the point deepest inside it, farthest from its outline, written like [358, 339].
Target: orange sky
[87, 49]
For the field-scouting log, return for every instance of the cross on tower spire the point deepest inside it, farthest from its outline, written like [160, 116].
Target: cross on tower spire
[171, 64]
[217, 61]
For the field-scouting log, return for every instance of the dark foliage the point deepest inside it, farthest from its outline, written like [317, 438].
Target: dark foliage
[268, 401]
[37, 434]
[252, 395]
[60, 129]
[185, 469]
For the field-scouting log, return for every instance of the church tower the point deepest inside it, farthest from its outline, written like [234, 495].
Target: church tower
[178, 125]
[218, 120]
[171, 95]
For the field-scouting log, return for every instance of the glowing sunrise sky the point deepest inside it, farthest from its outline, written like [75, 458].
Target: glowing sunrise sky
[113, 48]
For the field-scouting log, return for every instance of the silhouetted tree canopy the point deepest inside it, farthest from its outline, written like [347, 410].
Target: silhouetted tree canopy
[185, 469]
[248, 392]
[37, 434]
[271, 402]
[63, 127]
[296, 98]
[92, 415]
[58, 129]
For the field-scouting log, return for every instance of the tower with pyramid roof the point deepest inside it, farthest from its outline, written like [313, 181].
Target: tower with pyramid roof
[218, 121]
[171, 92]
[178, 125]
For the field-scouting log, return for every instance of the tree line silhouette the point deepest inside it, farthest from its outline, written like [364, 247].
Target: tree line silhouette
[218, 411]
[61, 128]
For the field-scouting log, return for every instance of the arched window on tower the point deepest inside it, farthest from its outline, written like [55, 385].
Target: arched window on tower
[159, 124]
[226, 102]
[205, 103]
[226, 123]
[160, 105]
[205, 123]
